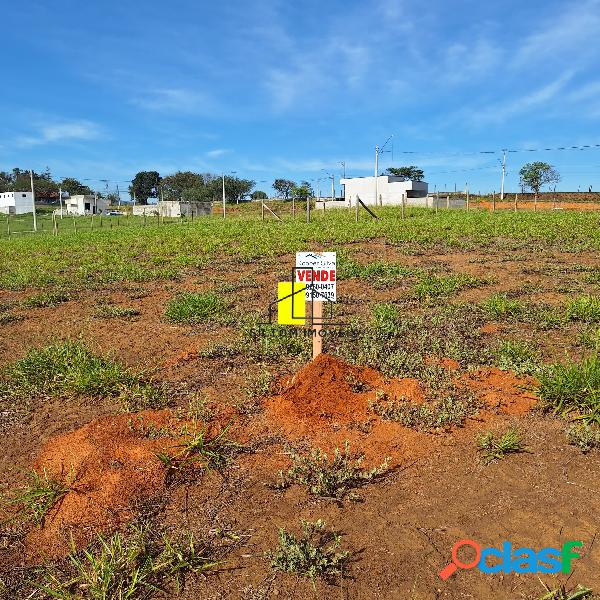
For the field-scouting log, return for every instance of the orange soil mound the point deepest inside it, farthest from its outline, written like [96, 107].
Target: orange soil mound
[329, 391]
[111, 464]
[328, 403]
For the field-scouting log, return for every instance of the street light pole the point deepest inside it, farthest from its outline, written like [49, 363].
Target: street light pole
[503, 174]
[33, 201]
[224, 195]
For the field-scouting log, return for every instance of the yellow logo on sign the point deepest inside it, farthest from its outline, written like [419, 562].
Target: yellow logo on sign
[291, 303]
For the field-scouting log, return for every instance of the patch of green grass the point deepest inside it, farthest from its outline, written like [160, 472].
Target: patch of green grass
[499, 306]
[200, 449]
[572, 388]
[69, 369]
[137, 565]
[333, 478]
[109, 311]
[271, 342]
[400, 344]
[37, 496]
[314, 554]
[192, 308]
[497, 448]
[47, 299]
[583, 308]
[436, 286]
[517, 356]
[585, 436]
[590, 338]
[378, 273]
[6, 318]
[440, 414]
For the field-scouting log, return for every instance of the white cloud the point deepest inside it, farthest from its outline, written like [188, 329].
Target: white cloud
[502, 111]
[570, 35]
[177, 100]
[217, 152]
[61, 132]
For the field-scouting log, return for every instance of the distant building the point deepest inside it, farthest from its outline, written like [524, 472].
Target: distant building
[85, 205]
[173, 208]
[15, 203]
[390, 191]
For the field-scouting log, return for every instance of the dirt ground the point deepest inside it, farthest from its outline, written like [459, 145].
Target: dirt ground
[402, 528]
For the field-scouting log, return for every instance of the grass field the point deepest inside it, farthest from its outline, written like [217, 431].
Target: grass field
[155, 438]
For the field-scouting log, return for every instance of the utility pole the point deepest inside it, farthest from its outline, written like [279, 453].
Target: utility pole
[376, 174]
[223, 195]
[33, 200]
[503, 174]
[379, 151]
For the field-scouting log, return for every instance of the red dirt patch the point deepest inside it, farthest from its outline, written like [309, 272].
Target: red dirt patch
[110, 465]
[502, 390]
[329, 391]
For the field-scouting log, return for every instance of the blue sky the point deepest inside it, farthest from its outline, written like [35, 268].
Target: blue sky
[269, 89]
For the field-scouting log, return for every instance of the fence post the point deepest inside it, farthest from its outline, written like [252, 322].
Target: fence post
[403, 201]
[467, 191]
[447, 201]
[308, 209]
[494, 201]
[437, 202]
[516, 198]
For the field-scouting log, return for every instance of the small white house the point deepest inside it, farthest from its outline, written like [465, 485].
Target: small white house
[390, 191]
[85, 205]
[15, 203]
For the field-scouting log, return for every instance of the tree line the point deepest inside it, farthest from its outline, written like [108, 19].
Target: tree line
[45, 187]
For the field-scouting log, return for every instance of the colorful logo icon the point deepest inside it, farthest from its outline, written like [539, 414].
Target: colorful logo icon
[520, 560]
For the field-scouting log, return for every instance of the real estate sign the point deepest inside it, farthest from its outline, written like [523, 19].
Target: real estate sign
[318, 271]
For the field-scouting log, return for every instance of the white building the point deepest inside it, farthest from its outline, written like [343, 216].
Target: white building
[85, 205]
[15, 203]
[390, 191]
[173, 208]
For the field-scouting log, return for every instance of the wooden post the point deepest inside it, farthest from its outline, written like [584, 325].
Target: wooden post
[357, 207]
[437, 202]
[403, 201]
[308, 209]
[494, 201]
[535, 202]
[447, 201]
[516, 198]
[293, 207]
[317, 319]
[262, 209]
[8, 223]
[74, 224]
[467, 191]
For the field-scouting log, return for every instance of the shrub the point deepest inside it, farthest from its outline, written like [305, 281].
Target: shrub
[314, 554]
[584, 436]
[330, 478]
[497, 448]
[518, 357]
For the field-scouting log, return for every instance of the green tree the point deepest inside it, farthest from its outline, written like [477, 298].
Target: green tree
[534, 175]
[6, 181]
[303, 191]
[410, 173]
[174, 185]
[145, 185]
[200, 193]
[258, 195]
[74, 187]
[283, 187]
